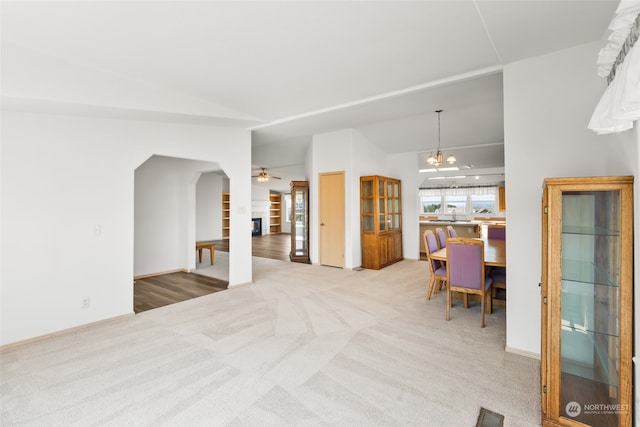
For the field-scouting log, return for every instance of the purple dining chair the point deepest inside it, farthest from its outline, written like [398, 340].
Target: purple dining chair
[442, 237]
[499, 276]
[451, 231]
[466, 274]
[438, 273]
[497, 232]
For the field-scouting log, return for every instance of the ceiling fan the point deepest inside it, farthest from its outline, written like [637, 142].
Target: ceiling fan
[263, 176]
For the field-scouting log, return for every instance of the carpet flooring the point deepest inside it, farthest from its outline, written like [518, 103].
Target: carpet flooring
[304, 345]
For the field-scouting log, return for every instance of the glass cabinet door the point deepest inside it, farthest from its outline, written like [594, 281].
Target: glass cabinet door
[589, 342]
[367, 207]
[382, 208]
[395, 206]
[380, 205]
[300, 230]
[587, 301]
[299, 222]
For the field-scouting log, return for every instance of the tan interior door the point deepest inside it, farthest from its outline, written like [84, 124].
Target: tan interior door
[331, 218]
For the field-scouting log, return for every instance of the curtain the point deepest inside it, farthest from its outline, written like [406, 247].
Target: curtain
[464, 191]
[619, 106]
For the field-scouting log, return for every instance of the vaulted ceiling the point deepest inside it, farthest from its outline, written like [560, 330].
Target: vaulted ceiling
[289, 70]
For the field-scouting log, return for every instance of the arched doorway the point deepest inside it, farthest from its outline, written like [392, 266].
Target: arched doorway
[166, 209]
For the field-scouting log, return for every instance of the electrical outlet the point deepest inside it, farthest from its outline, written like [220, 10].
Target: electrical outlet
[97, 230]
[86, 302]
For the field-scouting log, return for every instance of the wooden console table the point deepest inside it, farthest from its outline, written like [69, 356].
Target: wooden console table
[205, 245]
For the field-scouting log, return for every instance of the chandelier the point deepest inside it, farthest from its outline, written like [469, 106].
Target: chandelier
[437, 159]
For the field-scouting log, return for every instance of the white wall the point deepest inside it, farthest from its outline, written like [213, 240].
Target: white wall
[331, 152]
[366, 159]
[209, 207]
[160, 216]
[405, 167]
[349, 151]
[63, 175]
[259, 194]
[548, 103]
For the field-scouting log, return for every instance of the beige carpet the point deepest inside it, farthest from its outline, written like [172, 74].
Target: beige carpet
[304, 346]
[220, 268]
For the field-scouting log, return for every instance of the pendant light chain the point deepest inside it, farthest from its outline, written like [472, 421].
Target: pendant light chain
[437, 159]
[438, 111]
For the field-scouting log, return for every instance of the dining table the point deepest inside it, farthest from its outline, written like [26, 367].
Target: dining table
[495, 253]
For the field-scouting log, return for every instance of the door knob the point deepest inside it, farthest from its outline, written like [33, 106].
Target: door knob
[322, 224]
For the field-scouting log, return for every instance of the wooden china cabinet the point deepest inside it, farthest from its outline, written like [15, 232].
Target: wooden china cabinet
[587, 301]
[380, 221]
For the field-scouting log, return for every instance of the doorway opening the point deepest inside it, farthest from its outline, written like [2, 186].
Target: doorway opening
[172, 212]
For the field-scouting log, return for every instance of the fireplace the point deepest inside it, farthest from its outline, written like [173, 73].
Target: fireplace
[256, 230]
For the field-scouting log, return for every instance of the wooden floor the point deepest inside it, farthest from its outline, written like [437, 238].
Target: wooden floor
[158, 291]
[273, 246]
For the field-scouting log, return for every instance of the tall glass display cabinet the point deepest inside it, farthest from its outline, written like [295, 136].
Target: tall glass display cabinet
[380, 221]
[300, 222]
[587, 301]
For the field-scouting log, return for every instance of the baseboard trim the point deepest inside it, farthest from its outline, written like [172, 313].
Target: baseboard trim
[178, 270]
[524, 353]
[239, 285]
[39, 338]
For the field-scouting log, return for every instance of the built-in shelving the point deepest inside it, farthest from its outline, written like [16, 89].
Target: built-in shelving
[226, 212]
[275, 213]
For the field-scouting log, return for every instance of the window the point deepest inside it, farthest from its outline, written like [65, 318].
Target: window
[431, 204]
[458, 201]
[287, 207]
[455, 204]
[483, 203]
